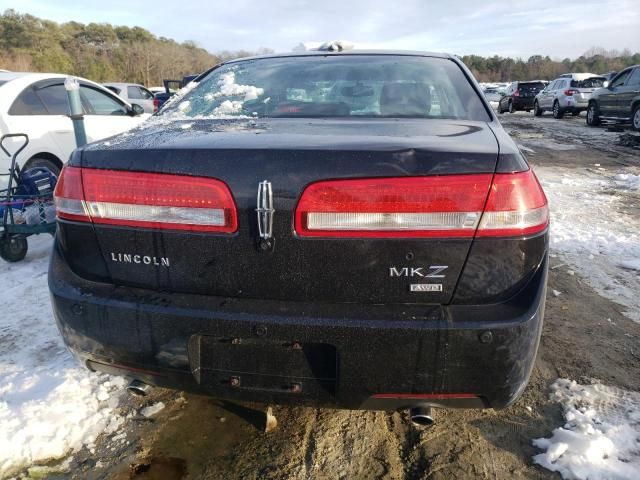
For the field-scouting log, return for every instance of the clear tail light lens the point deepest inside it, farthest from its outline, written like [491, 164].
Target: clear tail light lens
[147, 200]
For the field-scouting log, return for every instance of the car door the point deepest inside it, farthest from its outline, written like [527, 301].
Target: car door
[545, 98]
[627, 92]
[56, 122]
[558, 92]
[509, 95]
[105, 114]
[608, 102]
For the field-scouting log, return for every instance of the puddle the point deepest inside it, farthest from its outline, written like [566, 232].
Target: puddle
[629, 140]
[159, 469]
[189, 436]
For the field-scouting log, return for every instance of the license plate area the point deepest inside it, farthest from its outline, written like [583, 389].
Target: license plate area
[287, 367]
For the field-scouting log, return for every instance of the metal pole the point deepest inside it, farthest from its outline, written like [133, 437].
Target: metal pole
[72, 87]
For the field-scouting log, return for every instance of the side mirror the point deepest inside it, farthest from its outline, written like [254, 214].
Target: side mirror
[136, 110]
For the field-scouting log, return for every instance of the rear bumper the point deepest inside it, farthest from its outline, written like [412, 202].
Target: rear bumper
[574, 104]
[340, 355]
[523, 103]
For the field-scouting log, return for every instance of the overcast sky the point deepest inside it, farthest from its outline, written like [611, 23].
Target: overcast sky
[518, 28]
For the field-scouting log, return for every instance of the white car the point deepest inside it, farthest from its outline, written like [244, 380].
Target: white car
[133, 93]
[493, 94]
[36, 104]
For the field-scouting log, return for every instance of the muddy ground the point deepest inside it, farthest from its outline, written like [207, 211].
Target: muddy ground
[196, 437]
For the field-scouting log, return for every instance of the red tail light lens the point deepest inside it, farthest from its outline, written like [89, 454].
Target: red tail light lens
[569, 93]
[156, 105]
[148, 200]
[69, 197]
[516, 206]
[436, 206]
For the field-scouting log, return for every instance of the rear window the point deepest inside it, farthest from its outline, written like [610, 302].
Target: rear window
[334, 86]
[593, 82]
[137, 93]
[531, 87]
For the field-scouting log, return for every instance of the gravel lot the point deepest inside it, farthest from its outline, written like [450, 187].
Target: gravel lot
[587, 335]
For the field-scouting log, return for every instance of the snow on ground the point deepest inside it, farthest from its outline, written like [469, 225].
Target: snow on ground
[600, 437]
[593, 233]
[49, 404]
[628, 181]
[151, 410]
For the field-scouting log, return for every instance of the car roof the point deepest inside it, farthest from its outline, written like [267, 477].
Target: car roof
[8, 76]
[623, 69]
[579, 76]
[324, 53]
[122, 84]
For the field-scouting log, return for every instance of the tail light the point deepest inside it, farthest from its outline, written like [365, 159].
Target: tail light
[156, 105]
[571, 92]
[516, 93]
[435, 206]
[516, 206]
[147, 200]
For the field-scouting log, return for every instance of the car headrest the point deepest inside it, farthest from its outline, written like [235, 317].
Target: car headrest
[405, 99]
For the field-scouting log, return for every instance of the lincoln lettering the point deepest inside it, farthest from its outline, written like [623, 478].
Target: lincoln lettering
[139, 259]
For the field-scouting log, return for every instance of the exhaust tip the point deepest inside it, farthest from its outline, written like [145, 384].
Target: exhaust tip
[422, 416]
[138, 388]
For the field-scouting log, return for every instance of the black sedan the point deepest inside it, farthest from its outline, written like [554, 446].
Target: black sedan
[520, 96]
[351, 228]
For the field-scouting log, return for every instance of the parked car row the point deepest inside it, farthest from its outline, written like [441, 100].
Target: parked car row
[612, 97]
[568, 94]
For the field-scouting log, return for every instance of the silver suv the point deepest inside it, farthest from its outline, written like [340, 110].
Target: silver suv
[568, 93]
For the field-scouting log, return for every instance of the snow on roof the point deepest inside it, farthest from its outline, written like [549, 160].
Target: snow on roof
[332, 46]
[6, 76]
[579, 76]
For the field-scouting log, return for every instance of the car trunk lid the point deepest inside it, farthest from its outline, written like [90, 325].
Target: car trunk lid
[290, 155]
